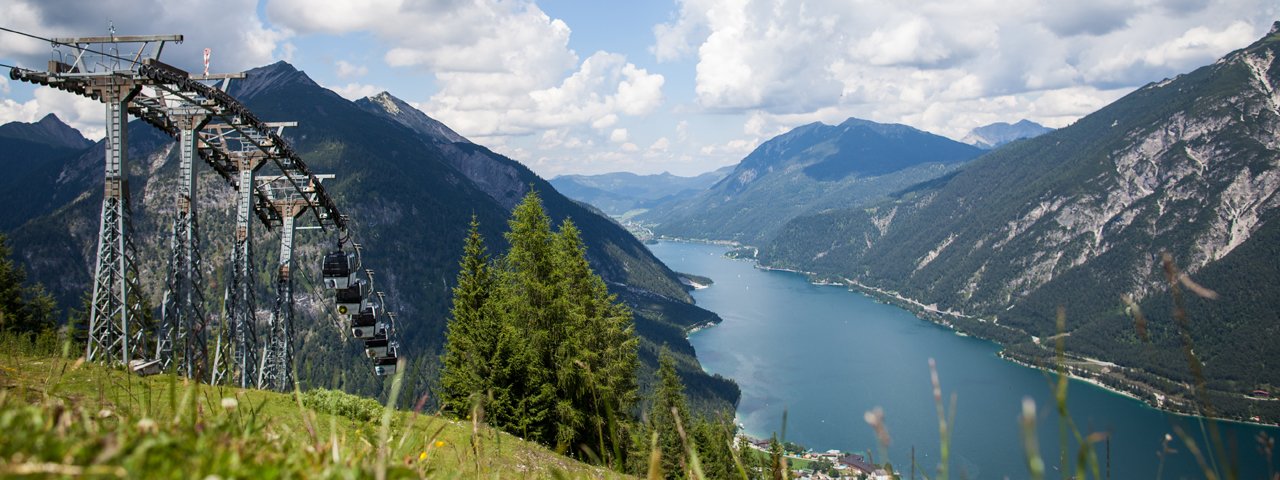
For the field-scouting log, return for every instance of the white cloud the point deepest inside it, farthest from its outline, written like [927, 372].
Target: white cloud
[11, 111]
[501, 68]
[942, 66]
[660, 145]
[618, 135]
[356, 91]
[232, 28]
[349, 70]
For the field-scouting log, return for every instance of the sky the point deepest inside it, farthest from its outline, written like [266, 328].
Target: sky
[684, 86]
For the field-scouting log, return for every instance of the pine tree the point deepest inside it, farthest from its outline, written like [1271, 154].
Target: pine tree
[777, 461]
[669, 398]
[596, 360]
[714, 436]
[526, 304]
[472, 332]
[23, 308]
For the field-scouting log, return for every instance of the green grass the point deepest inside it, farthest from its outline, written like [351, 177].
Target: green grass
[64, 417]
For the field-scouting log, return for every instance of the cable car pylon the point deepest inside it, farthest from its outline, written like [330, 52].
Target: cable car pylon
[210, 124]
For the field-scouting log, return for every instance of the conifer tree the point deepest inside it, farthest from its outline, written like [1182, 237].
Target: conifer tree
[23, 308]
[596, 360]
[669, 396]
[537, 336]
[472, 332]
[527, 306]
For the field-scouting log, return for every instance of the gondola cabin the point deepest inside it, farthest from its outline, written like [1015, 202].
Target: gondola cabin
[364, 324]
[352, 299]
[339, 269]
[383, 366]
[376, 346]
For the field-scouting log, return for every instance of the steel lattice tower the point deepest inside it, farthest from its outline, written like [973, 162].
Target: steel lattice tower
[236, 355]
[289, 200]
[116, 322]
[183, 321]
[277, 366]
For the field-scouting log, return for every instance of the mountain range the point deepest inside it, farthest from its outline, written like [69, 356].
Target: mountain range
[619, 193]
[1081, 218]
[999, 133]
[809, 169]
[410, 185]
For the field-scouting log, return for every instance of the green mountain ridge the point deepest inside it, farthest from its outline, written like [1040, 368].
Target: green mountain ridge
[812, 168]
[1079, 217]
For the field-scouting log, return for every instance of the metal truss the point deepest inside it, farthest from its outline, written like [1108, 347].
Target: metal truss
[125, 74]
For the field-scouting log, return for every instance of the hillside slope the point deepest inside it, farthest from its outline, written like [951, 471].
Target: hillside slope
[1079, 217]
[114, 424]
[811, 168]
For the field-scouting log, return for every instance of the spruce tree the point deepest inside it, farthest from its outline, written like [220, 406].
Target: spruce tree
[472, 333]
[23, 308]
[526, 303]
[669, 404]
[596, 360]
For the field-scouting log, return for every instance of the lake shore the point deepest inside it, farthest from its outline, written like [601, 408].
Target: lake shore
[1150, 396]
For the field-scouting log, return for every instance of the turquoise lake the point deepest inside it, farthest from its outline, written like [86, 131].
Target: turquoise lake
[826, 355]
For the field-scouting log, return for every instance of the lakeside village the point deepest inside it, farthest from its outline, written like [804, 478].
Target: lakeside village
[829, 465]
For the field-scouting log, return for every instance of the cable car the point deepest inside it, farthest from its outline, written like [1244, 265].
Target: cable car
[339, 269]
[364, 325]
[352, 299]
[385, 366]
[376, 346]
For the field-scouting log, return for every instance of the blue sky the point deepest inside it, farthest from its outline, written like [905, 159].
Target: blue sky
[683, 86]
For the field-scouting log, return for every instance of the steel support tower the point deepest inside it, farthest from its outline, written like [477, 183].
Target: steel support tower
[289, 203]
[183, 321]
[277, 362]
[236, 347]
[116, 322]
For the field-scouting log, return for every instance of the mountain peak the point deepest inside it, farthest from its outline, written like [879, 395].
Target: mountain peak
[402, 112]
[270, 77]
[49, 130]
[999, 133]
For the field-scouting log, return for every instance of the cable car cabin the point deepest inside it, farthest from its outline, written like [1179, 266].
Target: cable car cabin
[339, 269]
[383, 366]
[351, 299]
[376, 346]
[364, 325]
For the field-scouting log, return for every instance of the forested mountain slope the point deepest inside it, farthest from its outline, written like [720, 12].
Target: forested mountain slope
[809, 169]
[1080, 217]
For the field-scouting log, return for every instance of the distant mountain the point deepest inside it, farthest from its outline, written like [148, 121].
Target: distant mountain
[33, 157]
[50, 131]
[1080, 217]
[619, 193]
[410, 191]
[999, 133]
[811, 168]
